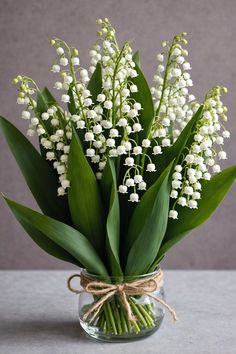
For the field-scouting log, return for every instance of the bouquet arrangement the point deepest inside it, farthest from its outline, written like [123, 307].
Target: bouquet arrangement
[124, 171]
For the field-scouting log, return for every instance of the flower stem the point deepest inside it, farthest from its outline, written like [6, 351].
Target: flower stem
[118, 320]
[149, 309]
[123, 321]
[103, 322]
[111, 316]
[113, 319]
[108, 324]
[138, 313]
[98, 320]
[145, 314]
[136, 326]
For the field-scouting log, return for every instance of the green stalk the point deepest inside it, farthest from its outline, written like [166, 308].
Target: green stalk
[113, 83]
[136, 327]
[97, 317]
[128, 323]
[118, 320]
[149, 310]
[108, 324]
[145, 314]
[111, 316]
[103, 322]
[123, 320]
[138, 313]
[118, 167]
[99, 320]
[161, 99]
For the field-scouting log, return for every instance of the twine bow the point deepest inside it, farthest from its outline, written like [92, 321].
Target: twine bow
[105, 291]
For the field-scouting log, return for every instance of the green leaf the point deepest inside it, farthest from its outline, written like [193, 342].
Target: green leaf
[144, 97]
[175, 151]
[63, 235]
[148, 225]
[155, 264]
[213, 192]
[182, 142]
[136, 58]
[113, 222]
[84, 197]
[48, 245]
[44, 100]
[95, 83]
[106, 183]
[38, 175]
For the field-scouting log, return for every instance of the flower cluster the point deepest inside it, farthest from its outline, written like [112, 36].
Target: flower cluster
[52, 126]
[201, 158]
[115, 115]
[174, 104]
[109, 122]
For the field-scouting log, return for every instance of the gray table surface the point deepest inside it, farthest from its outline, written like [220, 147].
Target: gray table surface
[39, 315]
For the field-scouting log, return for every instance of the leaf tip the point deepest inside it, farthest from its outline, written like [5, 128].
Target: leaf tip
[3, 196]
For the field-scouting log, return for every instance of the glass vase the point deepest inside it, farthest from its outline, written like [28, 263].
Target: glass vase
[111, 323]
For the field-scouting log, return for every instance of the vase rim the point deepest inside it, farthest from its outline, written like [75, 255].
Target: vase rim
[119, 278]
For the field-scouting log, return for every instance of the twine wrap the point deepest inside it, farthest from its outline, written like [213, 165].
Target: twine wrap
[105, 291]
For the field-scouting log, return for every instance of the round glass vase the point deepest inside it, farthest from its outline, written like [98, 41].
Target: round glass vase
[111, 324]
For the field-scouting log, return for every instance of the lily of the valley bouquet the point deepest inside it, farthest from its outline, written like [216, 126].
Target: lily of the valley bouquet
[124, 172]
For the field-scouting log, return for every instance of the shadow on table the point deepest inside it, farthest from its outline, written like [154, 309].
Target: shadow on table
[48, 330]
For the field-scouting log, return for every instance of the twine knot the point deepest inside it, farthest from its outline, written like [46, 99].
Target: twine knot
[104, 291]
[120, 288]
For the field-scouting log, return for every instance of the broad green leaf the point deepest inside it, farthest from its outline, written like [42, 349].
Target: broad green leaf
[38, 175]
[84, 198]
[66, 237]
[213, 192]
[148, 225]
[113, 223]
[175, 151]
[47, 244]
[95, 83]
[144, 97]
[136, 58]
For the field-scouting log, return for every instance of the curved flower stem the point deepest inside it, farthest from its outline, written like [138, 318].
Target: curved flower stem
[113, 82]
[161, 99]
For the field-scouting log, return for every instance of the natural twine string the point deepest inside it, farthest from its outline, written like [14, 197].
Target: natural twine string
[146, 286]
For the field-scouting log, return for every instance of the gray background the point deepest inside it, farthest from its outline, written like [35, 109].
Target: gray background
[25, 30]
